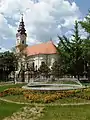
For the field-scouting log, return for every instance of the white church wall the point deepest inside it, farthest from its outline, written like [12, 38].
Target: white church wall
[38, 59]
[53, 58]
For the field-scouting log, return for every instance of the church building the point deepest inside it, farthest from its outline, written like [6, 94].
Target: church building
[33, 55]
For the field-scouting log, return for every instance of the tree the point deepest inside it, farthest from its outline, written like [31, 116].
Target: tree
[86, 46]
[8, 64]
[64, 48]
[71, 53]
[56, 70]
[44, 70]
[77, 54]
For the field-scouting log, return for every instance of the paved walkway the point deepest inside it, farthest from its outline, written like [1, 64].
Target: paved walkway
[49, 104]
[27, 113]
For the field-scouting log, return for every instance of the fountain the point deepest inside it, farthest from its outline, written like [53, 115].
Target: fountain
[57, 84]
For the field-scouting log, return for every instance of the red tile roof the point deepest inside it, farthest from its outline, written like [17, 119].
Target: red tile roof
[44, 48]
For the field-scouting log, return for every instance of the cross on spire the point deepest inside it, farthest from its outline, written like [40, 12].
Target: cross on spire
[22, 15]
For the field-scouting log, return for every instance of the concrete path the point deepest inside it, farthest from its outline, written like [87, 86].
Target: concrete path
[27, 113]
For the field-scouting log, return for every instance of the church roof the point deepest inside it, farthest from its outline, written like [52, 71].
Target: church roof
[43, 48]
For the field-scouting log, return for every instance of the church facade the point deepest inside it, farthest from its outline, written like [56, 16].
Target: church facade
[32, 55]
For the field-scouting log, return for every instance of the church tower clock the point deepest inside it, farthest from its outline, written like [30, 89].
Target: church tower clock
[21, 37]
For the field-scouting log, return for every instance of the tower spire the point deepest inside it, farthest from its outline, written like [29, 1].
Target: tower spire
[21, 28]
[21, 36]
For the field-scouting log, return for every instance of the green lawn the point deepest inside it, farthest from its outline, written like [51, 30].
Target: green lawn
[66, 113]
[71, 100]
[3, 87]
[7, 109]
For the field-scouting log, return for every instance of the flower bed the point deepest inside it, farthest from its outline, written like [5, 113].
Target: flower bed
[44, 96]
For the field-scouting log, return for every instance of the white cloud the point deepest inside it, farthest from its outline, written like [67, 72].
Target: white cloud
[3, 49]
[43, 19]
[82, 33]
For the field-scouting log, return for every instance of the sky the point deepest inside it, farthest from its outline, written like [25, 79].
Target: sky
[44, 19]
[84, 6]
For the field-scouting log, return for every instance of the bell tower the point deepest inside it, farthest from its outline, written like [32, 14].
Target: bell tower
[21, 36]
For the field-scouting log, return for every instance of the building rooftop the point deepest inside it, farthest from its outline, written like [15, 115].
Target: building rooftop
[43, 48]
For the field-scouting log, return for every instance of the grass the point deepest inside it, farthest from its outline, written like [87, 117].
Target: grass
[66, 113]
[7, 109]
[3, 87]
[17, 98]
[70, 100]
[86, 84]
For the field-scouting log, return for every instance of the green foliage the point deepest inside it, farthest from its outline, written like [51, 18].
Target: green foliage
[56, 69]
[44, 69]
[72, 53]
[86, 46]
[8, 63]
[75, 52]
[64, 48]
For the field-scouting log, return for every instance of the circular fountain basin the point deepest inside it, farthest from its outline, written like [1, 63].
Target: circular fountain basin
[39, 86]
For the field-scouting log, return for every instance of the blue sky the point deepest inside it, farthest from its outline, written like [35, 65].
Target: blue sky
[43, 20]
[84, 5]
